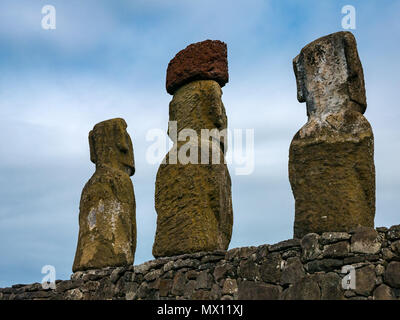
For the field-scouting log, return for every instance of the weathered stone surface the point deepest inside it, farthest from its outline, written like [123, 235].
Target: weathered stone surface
[331, 165]
[324, 265]
[66, 285]
[230, 287]
[392, 274]
[365, 240]
[192, 274]
[304, 289]
[249, 270]
[395, 246]
[211, 258]
[178, 285]
[197, 106]
[206, 60]
[293, 271]
[332, 237]
[186, 263]
[379, 270]
[290, 253]
[221, 271]
[262, 252]
[90, 286]
[394, 233]
[131, 292]
[330, 285]
[201, 295]
[360, 258]
[284, 245]
[383, 292]
[107, 223]
[270, 269]
[365, 280]
[387, 254]
[204, 280]
[143, 291]
[189, 289]
[74, 294]
[337, 250]
[249, 290]
[310, 247]
[153, 275]
[193, 200]
[247, 252]
[116, 274]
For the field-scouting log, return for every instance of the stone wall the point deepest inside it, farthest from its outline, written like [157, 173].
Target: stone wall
[307, 268]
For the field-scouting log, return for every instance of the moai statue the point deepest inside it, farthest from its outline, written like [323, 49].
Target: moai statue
[107, 222]
[193, 194]
[331, 158]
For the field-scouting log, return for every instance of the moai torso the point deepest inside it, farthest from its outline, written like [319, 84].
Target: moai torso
[331, 164]
[193, 200]
[107, 223]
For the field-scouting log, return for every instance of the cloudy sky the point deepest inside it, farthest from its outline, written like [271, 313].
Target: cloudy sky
[107, 60]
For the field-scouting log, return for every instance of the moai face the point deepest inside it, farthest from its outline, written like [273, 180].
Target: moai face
[111, 145]
[329, 75]
[198, 105]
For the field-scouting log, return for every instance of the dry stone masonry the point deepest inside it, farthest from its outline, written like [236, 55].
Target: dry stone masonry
[331, 159]
[306, 268]
[193, 198]
[107, 223]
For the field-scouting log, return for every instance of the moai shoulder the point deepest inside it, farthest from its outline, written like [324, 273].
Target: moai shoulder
[107, 223]
[331, 165]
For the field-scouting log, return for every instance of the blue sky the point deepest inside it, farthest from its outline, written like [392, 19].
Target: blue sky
[108, 59]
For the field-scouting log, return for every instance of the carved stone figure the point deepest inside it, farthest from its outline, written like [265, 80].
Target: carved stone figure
[331, 158]
[193, 198]
[107, 223]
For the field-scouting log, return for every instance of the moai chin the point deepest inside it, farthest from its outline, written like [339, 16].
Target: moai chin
[193, 199]
[107, 222]
[331, 158]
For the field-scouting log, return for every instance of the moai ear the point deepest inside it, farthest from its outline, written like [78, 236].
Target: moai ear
[298, 68]
[92, 147]
[129, 141]
[356, 85]
[119, 132]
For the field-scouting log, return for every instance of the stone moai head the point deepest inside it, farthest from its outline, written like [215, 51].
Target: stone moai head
[111, 145]
[195, 77]
[329, 75]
